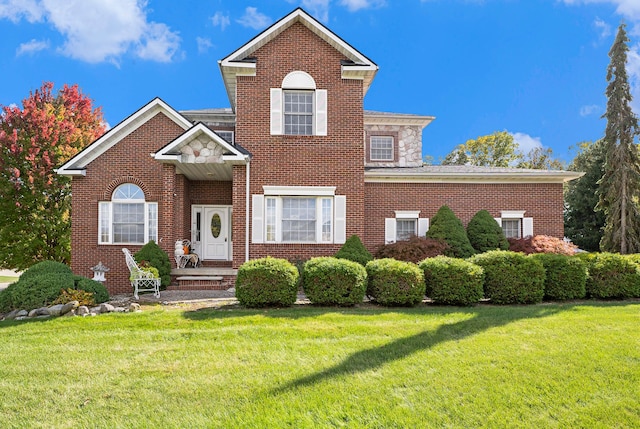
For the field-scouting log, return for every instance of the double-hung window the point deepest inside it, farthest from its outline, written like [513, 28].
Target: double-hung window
[298, 108]
[406, 228]
[299, 219]
[298, 112]
[381, 148]
[127, 218]
[298, 214]
[405, 224]
[511, 228]
[514, 223]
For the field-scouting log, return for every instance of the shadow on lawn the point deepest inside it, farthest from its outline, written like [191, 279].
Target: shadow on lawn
[482, 320]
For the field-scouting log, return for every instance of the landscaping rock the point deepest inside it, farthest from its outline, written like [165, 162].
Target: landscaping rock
[134, 307]
[11, 315]
[119, 310]
[106, 308]
[95, 310]
[69, 306]
[22, 313]
[83, 310]
[56, 310]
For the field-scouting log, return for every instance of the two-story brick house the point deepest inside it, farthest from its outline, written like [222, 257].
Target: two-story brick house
[292, 169]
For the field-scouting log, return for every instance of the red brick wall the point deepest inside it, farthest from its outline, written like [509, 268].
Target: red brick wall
[332, 160]
[542, 202]
[126, 162]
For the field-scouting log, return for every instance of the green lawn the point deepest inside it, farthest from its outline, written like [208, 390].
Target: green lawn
[8, 279]
[573, 365]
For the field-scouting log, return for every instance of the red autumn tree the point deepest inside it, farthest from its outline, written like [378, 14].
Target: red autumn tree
[34, 201]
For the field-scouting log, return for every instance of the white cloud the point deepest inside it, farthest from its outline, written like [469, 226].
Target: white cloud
[99, 30]
[254, 19]
[15, 10]
[220, 20]
[589, 110]
[525, 142]
[204, 44]
[317, 8]
[32, 47]
[603, 27]
[354, 5]
[633, 70]
[630, 9]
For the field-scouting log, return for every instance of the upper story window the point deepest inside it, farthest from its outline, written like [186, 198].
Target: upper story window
[127, 218]
[298, 107]
[298, 112]
[226, 135]
[381, 148]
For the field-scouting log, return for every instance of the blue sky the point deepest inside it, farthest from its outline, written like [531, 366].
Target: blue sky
[535, 68]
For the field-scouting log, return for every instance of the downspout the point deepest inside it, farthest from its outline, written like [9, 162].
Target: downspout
[246, 204]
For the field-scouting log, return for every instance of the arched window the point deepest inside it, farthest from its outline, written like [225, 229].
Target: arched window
[127, 218]
[298, 107]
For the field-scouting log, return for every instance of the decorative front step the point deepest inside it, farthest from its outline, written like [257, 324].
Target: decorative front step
[203, 279]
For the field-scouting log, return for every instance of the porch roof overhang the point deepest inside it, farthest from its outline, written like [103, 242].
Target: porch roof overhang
[214, 159]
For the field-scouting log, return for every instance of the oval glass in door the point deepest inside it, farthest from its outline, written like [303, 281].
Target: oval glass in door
[216, 225]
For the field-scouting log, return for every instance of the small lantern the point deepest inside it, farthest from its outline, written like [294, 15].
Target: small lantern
[99, 271]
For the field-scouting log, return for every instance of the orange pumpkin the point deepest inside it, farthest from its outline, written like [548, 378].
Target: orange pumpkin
[186, 250]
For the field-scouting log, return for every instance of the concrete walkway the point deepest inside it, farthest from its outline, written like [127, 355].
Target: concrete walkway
[7, 273]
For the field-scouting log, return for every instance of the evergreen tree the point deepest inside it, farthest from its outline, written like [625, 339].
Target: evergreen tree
[485, 234]
[618, 188]
[446, 226]
[582, 223]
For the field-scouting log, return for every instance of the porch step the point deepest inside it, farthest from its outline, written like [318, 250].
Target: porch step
[203, 279]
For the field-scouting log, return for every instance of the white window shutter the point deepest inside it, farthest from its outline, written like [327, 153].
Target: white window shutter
[390, 230]
[340, 219]
[276, 111]
[321, 112]
[104, 221]
[527, 227]
[423, 226]
[257, 217]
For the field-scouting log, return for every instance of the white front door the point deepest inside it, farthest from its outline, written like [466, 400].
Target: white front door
[213, 232]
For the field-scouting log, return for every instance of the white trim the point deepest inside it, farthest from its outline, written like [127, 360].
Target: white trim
[258, 225]
[423, 226]
[527, 227]
[407, 214]
[170, 152]
[301, 191]
[276, 112]
[340, 219]
[512, 214]
[390, 230]
[516, 176]
[320, 112]
[298, 80]
[76, 165]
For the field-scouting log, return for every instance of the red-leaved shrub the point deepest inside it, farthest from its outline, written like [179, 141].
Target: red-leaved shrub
[415, 249]
[542, 244]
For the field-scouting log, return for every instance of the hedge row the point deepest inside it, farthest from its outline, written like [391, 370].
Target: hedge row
[504, 277]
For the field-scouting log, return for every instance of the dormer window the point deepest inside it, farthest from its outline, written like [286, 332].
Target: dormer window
[298, 107]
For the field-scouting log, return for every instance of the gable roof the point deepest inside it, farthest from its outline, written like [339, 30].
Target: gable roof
[239, 62]
[76, 166]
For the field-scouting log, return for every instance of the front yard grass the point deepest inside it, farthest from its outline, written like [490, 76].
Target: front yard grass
[552, 365]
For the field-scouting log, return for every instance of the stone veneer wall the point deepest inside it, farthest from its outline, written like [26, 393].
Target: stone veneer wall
[200, 151]
[408, 141]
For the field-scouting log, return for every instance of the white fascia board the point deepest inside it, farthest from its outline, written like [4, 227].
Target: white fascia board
[484, 178]
[320, 191]
[512, 214]
[120, 131]
[397, 119]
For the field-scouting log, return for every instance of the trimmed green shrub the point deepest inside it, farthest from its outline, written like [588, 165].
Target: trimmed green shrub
[392, 282]
[612, 276]
[157, 258]
[99, 291]
[446, 226]
[565, 278]
[40, 290]
[415, 249]
[333, 281]
[6, 304]
[510, 277]
[267, 282]
[452, 281]
[354, 250]
[485, 234]
[45, 267]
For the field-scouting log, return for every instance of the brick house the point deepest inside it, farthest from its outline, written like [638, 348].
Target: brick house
[292, 169]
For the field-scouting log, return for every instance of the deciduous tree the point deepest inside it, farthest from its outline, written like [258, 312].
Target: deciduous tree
[34, 201]
[618, 188]
[494, 150]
